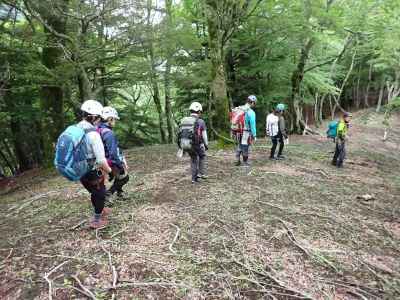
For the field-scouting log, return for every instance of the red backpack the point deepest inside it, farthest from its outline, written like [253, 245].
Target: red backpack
[237, 116]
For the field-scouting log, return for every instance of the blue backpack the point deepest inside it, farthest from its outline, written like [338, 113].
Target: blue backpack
[71, 159]
[332, 129]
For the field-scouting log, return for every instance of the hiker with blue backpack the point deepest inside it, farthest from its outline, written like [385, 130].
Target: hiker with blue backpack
[243, 128]
[341, 138]
[113, 153]
[80, 156]
[193, 139]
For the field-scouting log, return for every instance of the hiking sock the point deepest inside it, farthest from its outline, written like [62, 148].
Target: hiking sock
[97, 217]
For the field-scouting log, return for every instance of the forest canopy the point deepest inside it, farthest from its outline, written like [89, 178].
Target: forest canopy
[150, 59]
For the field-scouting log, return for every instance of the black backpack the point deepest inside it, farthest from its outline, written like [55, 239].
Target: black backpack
[188, 136]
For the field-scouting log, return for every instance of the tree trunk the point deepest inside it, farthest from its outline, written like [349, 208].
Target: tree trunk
[52, 92]
[366, 102]
[7, 162]
[297, 123]
[358, 90]
[153, 74]
[381, 92]
[218, 95]
[167, 74]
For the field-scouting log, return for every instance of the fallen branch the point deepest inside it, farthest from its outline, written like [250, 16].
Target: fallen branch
[222, 137]
[306, 250]
[77, 225]
[293, 238]
[85, 290]
[267, 275]
[81, 291]
[9, 254]
[126, 284]
[29, 201]
[50, 282]
[119, 232]
[352, 286]
[178, 230]
[114, 271]
[274, 279]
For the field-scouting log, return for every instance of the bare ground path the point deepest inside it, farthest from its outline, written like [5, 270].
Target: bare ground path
[293, 229]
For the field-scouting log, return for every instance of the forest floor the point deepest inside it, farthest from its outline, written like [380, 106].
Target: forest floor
[292, 229]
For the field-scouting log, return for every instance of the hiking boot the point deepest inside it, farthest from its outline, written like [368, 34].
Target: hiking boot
[109, 199]
[280, 157]
[101, 223]
[272, 158]
[202, 176]
[122, 196]
[106, 212]
[195, 181]
[238, 163]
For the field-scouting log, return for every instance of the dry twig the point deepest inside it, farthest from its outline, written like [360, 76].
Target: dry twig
[77, 225]
[85, 290]
[113, 269]
[178, 230]
[49, 281]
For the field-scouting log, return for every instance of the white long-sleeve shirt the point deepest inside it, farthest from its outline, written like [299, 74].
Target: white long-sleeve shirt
[95, 147]
[272, 125]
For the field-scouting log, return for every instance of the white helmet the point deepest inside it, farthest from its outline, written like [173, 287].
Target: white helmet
[252, 98]
[196, 106]
[92, 107]
[109, 112]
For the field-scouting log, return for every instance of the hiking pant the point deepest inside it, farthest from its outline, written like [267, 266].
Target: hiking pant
[93, 181]
[340, 154]
[198, 162]
[120, 179]
[242, 150]
[275, 139]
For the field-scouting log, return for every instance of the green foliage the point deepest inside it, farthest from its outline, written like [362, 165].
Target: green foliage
[122, 53]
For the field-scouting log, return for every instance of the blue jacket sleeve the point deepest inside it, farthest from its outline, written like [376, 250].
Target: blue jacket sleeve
[251, 120]
[111, 144]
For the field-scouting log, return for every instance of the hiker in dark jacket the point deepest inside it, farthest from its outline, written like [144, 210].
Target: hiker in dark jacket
[341, 138]
[113, 154]
[199, 144]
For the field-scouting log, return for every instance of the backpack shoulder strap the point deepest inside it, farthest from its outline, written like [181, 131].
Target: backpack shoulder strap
[87, 130]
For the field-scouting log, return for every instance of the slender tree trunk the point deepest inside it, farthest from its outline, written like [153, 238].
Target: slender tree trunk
[381, 92]
[7, 162]
[366, 102]
[321, 108]
[358, 90]
[167, 74]
[153, 74]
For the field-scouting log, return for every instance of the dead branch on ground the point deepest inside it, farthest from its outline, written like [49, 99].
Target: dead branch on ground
[268, 276]
[84, 290]
[49, 281]
[178, 230]
[29, 201]
[113, 269]
[77, 225]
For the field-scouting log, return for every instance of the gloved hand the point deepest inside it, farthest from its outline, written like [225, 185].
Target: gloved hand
[110, 176]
